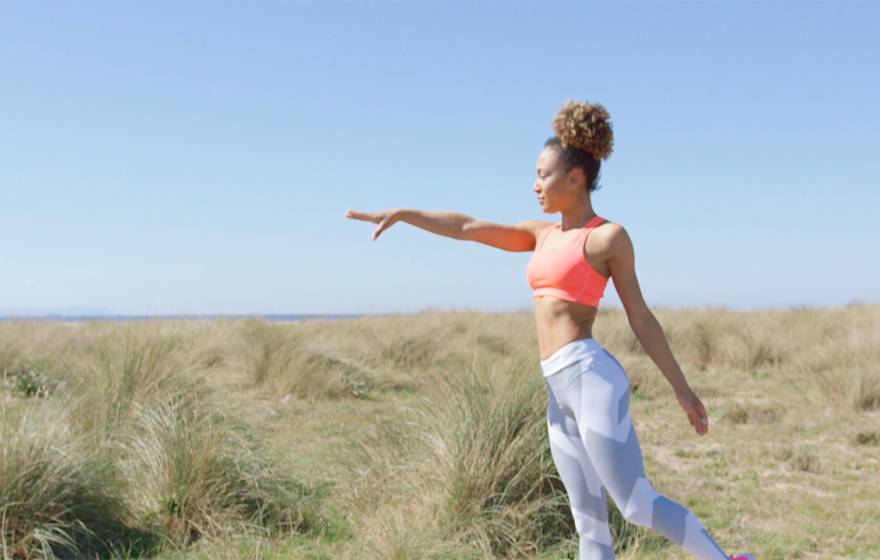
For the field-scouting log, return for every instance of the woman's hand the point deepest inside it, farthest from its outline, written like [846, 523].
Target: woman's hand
[695, 411]
[385, 218]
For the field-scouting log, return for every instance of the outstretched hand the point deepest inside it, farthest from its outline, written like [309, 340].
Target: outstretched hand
[385, 219]
[695, 411]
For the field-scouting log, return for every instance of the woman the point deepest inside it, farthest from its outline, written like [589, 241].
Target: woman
[592, 438]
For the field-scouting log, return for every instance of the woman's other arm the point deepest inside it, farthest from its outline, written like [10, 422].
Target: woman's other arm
[621, 265]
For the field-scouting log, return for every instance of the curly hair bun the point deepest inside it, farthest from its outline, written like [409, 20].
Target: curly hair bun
[585, 126]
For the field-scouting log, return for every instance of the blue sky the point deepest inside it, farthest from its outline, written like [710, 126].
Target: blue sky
[200, 157]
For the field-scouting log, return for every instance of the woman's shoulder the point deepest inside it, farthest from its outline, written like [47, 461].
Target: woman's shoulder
[610, 234]
[609, 227]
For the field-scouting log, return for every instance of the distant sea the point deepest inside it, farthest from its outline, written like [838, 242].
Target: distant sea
[124, 318]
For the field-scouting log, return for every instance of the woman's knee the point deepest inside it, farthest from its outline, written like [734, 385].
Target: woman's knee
[638, 506]
[592, 527]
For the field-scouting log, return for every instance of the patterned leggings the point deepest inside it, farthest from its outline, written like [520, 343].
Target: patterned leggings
[596, 452]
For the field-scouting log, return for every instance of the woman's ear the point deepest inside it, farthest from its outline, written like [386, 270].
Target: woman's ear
[576, 177]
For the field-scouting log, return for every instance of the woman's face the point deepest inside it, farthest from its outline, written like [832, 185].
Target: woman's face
[555, 188]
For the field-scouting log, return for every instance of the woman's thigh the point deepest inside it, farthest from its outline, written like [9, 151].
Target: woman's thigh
[596, 396]
[572, 461]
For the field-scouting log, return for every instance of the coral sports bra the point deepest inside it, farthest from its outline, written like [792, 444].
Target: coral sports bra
[563, 271]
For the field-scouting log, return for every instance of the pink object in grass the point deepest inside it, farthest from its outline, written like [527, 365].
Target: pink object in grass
[743, 556]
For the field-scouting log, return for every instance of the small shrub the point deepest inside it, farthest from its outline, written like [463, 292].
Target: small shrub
[868, 438]
[737, 414]
[805, 460]
[30, 379]
[866, 394]
[316, 374]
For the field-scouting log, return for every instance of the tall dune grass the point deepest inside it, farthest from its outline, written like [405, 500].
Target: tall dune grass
[134, 454]
[422, 436]
[199, 472]
[59, 496]
[470, 463]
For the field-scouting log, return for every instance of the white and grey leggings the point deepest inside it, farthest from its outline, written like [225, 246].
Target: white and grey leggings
[596, 452]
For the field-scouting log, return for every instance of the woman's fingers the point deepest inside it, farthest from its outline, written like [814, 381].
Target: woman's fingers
[703, 418]
[697, 415]
[375, 218]
[383, 225]
[702, 425]
[701, 422]
[385, 219]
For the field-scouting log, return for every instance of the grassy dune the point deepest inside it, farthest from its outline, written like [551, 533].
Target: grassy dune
[423, 437]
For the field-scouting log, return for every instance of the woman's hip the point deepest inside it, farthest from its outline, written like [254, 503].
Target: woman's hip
[582, 354]
[586, 374]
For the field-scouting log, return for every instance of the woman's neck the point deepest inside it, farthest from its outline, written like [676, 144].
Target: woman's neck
[577, 218]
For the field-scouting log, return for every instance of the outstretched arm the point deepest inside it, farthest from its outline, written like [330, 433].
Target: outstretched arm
[621, 265]
[448, 224]
[515, 237]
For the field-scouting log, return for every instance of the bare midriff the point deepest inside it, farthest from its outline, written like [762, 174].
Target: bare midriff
[560, 321]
